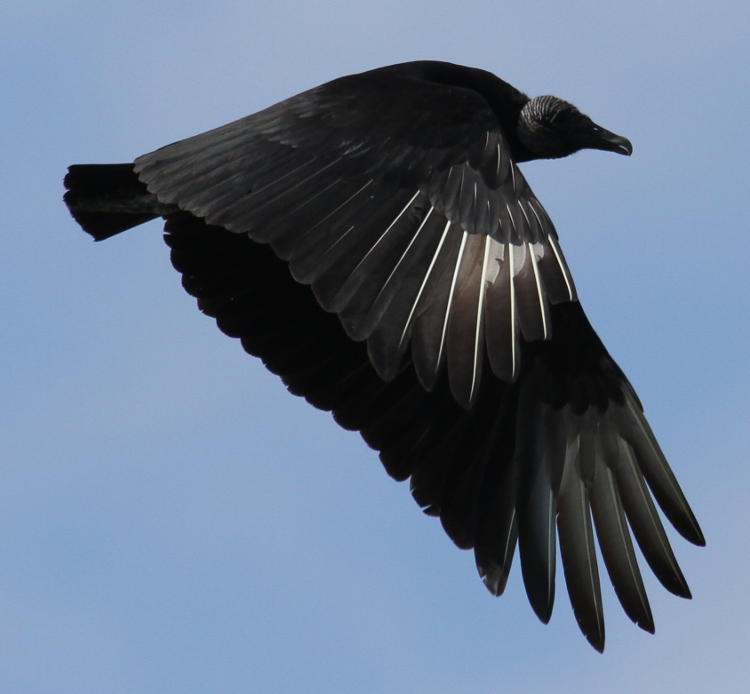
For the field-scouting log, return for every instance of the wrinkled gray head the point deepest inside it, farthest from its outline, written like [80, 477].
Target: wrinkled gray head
[550, 127]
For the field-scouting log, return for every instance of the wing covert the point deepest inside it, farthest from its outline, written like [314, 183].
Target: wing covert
[398, 201]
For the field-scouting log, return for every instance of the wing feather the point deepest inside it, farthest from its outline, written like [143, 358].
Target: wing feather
[614, 537]
[540, 447]
[465, 324]
[433, 311]
[646, 525]
[577, 545]
[503, 335]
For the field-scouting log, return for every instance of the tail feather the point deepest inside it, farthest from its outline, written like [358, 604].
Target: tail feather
[106, 199]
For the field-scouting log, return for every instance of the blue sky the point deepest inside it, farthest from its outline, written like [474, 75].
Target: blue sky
[172, 521]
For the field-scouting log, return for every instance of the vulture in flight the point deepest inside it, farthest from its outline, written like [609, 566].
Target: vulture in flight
[374, 242]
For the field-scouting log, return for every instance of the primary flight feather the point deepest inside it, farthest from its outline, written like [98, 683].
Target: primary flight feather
[374, 242]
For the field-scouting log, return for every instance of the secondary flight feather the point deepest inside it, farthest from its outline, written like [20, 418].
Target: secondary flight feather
[375, 243]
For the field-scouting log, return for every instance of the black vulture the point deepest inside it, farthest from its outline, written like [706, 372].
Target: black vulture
[373, 241]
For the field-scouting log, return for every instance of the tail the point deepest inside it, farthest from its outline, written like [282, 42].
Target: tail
[106, 199]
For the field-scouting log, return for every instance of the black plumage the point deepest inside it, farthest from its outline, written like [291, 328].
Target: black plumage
[373, 241]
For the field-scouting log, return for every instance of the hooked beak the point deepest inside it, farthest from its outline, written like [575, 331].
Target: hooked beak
[606, 140]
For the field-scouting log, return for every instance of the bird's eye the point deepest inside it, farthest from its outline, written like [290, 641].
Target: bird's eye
[561, 118]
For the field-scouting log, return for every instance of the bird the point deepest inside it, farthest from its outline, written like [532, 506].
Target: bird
[373, 241]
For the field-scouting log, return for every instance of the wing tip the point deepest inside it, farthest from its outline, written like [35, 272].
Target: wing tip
[597, 641]
[646, 624]
[494, 579]
[543, 610]
[693, 533]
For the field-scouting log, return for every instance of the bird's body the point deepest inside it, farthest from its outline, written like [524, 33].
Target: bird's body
[443, 322]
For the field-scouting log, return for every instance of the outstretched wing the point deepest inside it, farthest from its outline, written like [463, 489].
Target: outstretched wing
[562, 452]
[398, 202]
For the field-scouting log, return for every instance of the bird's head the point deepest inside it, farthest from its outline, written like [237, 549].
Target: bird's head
[549, 127]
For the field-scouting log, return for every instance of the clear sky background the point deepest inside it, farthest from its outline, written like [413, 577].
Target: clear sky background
[173, 522]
